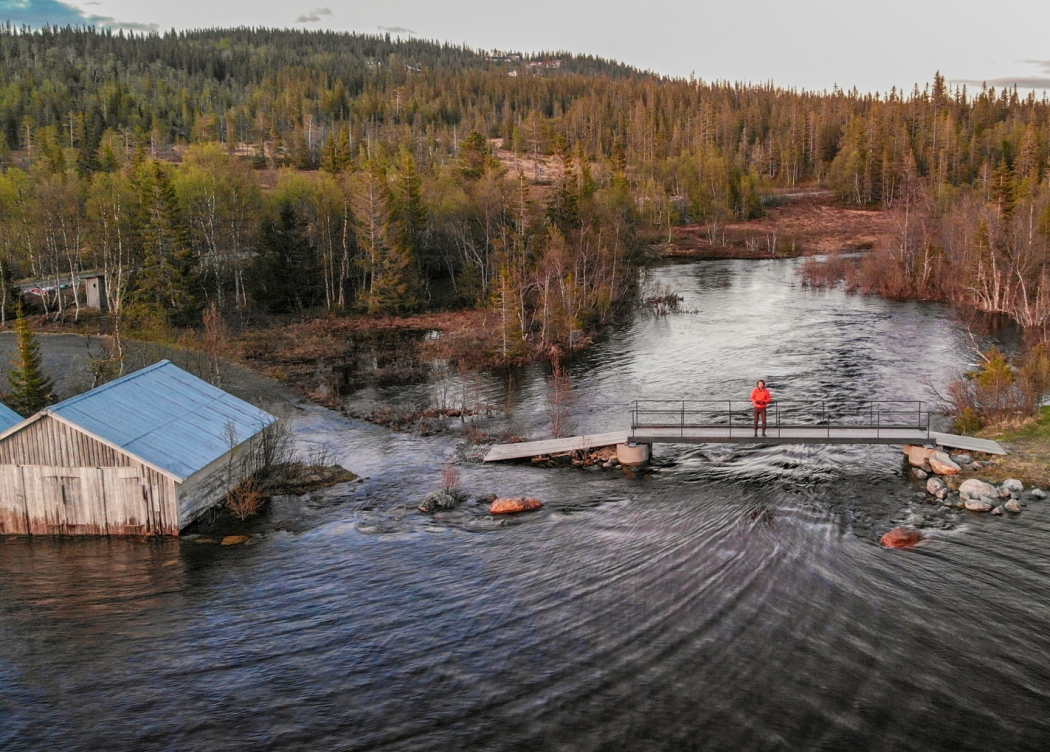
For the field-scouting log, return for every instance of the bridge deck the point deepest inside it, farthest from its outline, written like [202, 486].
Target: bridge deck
[779, 435]
[740, 435]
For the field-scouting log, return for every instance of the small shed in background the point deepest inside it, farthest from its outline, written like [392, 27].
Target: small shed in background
[143, 455]
[94, 291]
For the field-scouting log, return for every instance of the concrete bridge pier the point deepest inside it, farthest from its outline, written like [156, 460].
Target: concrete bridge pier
[634, 455]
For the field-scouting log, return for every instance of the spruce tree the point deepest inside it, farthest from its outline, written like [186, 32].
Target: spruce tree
[167, 280]
[288, 270]
[31, 389]
[410, 211]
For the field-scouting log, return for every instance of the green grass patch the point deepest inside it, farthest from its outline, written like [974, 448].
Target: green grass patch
[1038, 428]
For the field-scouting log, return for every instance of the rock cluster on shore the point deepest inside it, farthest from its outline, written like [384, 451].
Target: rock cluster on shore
[947, 493]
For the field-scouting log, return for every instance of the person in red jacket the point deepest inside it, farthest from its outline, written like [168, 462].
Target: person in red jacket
[761, 399]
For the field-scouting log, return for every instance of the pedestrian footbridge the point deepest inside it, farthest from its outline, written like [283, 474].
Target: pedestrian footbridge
[731, 422]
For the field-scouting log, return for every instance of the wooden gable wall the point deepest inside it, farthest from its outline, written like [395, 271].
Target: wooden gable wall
[57, 479]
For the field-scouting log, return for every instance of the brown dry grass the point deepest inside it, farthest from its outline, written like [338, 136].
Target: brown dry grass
[308, 354]
[244, 500]
[806, 225]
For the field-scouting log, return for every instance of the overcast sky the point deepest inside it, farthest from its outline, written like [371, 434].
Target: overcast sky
[811, 44]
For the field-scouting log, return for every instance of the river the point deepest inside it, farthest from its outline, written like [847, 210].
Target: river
[734, 599]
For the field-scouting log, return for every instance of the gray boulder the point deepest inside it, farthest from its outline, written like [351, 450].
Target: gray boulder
[437, 501]
[1038, 493]
[978, 505]
[936, 487]
[962, 459]
[971, 488]
[919, 473]
[1012, 506]
[1013, 486]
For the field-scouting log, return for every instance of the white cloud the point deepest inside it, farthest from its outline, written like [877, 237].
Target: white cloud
[313, 16]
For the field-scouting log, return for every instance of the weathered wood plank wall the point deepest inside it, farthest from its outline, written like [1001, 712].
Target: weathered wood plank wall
[55, 479]
[51, 442]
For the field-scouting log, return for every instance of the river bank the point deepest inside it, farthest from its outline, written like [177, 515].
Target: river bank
[1029, 450]
[806, 223]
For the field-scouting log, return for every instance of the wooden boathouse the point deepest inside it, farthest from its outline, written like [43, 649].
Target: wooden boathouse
[143, 455]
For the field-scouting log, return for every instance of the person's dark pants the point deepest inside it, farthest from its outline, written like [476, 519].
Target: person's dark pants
[760, 412]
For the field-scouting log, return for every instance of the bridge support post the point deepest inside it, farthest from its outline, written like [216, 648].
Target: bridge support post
[633, 455]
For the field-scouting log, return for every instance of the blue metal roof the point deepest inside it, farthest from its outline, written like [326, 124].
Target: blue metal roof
[8, 418]
[166, 416]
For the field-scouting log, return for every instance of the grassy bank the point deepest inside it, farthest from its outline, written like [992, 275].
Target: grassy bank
[1028, 445]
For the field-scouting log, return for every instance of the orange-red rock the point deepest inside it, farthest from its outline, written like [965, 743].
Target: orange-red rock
[901, 537]
[512, 506]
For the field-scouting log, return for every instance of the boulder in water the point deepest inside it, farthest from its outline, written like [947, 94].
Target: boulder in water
[979, 505]
[919, 473]
[1012, 506]
[1038, 493]
[942, 464]
[997, 510]
[437, 501]
[233, 540]
[972, 488]
[513, 506]
[901, 537]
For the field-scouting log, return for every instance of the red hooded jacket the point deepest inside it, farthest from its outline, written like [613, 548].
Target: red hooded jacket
[760, 398]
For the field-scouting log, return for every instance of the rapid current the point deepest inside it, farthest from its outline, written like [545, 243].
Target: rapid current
[735, 599]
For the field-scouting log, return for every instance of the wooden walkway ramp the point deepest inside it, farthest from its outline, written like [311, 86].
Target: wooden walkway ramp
[969, 443]
[526, 449]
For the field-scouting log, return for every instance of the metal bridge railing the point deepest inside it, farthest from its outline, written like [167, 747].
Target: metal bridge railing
[876, 415]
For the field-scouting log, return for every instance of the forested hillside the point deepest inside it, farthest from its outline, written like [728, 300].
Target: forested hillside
[287, 170]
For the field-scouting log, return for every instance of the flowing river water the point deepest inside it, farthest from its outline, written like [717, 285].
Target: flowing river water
[735, 599]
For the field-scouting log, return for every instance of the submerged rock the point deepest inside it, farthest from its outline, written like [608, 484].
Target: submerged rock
[997, 511]
[1038, 493]
[919, 473]
[901, 537]
[975, 489]
[513, 506]
[436, 501]
[233, 540]
[942, 464]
